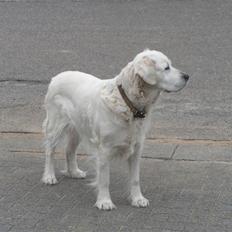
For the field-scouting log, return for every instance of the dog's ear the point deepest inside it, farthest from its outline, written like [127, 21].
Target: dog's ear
[145, 68]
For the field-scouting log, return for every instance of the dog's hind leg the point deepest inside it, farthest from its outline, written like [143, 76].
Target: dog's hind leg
[49, 170]
[73, 141]
[53, 126]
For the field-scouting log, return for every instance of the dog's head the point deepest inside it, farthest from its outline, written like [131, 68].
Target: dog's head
[156, 69]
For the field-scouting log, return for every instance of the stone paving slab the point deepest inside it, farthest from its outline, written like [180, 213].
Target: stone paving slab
[22, 110]
[153, 149]
[204, 152]
[185, 196]
[31, 145]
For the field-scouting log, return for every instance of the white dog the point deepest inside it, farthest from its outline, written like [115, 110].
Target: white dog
[109, 116]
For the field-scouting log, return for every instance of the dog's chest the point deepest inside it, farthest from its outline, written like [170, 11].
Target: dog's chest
[126, 141]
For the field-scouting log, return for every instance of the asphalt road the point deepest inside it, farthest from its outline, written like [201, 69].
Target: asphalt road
[39, 39]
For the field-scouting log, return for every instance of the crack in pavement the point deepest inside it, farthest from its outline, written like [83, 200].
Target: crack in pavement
[20, 132]
[12, 106]
[143, 157]
[222, 142]
[176, 141]
[187, 160]
[174, 151]
[24, 81]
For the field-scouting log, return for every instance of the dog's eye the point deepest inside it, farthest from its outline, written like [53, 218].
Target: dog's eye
[167, 68]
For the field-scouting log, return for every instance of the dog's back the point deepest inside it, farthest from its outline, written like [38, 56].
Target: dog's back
[70, 82]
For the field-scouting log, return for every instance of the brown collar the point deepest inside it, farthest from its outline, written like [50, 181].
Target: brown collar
[136, 113]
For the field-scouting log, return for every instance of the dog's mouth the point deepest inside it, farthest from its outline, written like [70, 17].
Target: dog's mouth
[175, 90]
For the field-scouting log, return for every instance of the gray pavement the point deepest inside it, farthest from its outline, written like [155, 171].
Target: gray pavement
[186, 193]
[187, 161]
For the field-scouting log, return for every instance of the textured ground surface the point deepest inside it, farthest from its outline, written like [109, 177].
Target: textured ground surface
[189, 187]
[187, 161]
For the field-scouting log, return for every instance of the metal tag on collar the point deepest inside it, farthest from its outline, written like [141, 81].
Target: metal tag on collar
[140, 114]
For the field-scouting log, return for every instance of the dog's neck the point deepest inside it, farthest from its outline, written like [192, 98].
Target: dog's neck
[141, 94]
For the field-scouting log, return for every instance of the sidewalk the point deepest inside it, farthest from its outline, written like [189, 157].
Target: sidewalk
[189, 189]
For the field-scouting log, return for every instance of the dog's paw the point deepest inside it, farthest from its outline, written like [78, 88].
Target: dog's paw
[74, 174]
[49, 179]
[105, 204]
[140, 201]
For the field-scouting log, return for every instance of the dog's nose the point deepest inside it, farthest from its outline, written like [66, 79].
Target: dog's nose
[185, 76]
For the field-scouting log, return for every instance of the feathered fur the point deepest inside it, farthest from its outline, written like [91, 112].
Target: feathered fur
[91, 111]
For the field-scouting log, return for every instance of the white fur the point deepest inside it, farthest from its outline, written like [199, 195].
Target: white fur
[92, 111]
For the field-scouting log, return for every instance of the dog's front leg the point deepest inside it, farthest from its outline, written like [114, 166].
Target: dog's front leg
[104, 201]
[137, 198]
